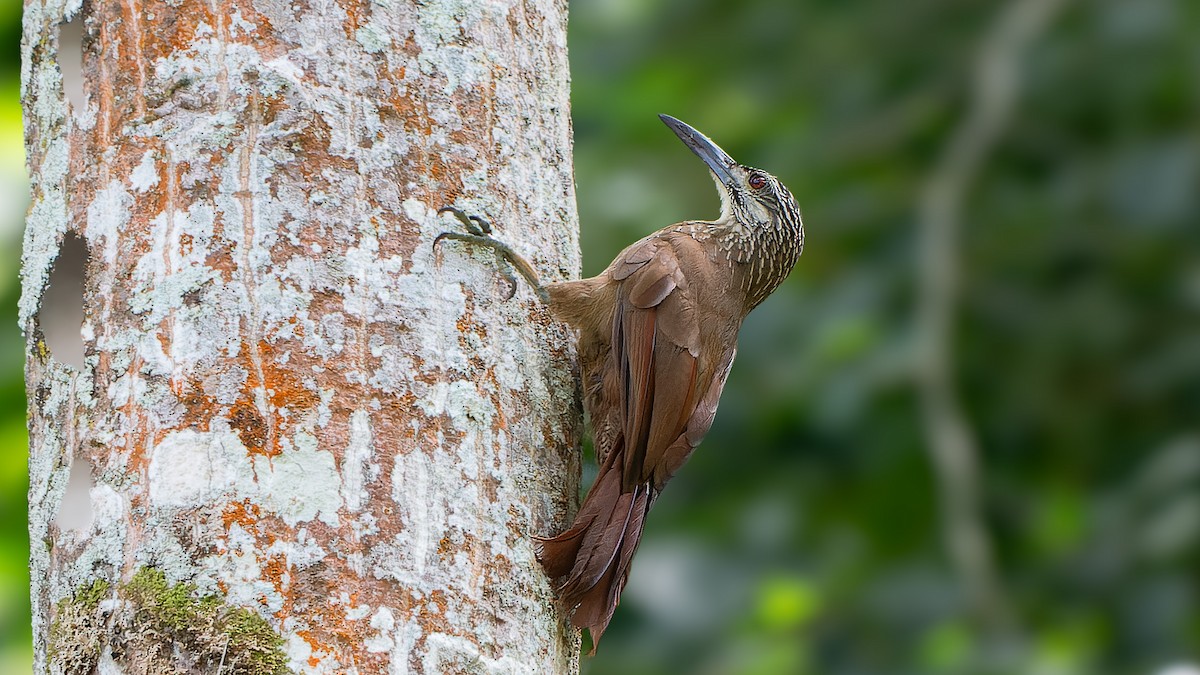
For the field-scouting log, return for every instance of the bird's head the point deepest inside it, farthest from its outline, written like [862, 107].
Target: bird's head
[750, 198]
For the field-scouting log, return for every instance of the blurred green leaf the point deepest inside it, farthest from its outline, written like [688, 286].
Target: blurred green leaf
[1059, 522]
[947, 648]
[786, 603]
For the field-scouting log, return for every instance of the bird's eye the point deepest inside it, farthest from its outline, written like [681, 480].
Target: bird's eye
[757, 181]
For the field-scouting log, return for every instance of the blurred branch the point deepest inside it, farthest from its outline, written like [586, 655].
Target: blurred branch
[952, 443]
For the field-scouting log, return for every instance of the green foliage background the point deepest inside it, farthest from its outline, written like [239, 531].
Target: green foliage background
[804, 536]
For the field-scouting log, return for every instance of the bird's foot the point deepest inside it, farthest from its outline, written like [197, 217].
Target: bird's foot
[477, 225]
[479, 233]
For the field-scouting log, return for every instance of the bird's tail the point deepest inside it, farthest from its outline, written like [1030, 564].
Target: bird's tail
[590, 561]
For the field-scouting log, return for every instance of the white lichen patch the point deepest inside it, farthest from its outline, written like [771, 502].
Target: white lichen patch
[106, 214]
[192, 468]
[163, 550]
[356, 461]
[145, 174]
[41, 87]
[454, 653]
[301, 483]
[407, 556]
[302, 552]
[444, 54]
[373, 38]
[383, 622]
[238, 25]
[461, 402]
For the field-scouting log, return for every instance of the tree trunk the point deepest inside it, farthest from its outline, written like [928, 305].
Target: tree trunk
[312, 444]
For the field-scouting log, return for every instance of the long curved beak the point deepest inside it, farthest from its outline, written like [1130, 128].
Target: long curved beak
[718, 161]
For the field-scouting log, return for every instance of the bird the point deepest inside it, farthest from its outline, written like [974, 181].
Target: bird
[657, 336]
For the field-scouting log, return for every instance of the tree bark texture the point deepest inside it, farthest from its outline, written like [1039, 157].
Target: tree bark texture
[289, 405]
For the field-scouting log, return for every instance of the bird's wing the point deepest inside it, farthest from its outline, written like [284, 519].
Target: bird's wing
[656, 338]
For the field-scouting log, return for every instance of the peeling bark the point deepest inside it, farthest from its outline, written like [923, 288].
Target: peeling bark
[288, 405]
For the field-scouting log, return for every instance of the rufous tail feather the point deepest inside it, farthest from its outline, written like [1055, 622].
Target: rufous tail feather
[590, 561]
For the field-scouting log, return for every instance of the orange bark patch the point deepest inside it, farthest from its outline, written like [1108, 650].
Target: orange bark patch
[250, 426]
[274, 569]
[170, 30]
[198, 407]
[243, 513]
[284, 390]
[283, 386]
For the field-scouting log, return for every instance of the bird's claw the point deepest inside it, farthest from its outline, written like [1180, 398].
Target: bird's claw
[478, 227]
[476, 224]
[479, 231]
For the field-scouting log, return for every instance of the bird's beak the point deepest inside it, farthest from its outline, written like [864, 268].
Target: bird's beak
[717, 159]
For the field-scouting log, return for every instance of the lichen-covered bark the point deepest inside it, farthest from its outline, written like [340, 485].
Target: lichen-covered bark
[289, 404]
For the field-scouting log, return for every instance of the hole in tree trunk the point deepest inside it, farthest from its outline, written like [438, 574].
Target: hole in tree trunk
[61, 313]
[75, 511]
[70, 60]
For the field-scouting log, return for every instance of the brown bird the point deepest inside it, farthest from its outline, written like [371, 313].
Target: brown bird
[657, 335]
